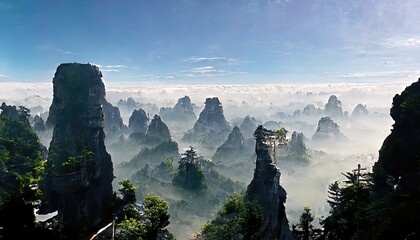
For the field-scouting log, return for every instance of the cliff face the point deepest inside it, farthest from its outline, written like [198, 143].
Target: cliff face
[182, 111]
[211, 129]
[328, 130]
[112, 118]
[297, 144]
[359, 111]
[232, 148]
[138, 121]
[157, 132]
[333, 107]
[248, 126]
[79, 170]
[265, 190]
[398, 162]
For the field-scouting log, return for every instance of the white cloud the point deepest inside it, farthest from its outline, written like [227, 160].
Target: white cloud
[208, 71]
[380, 74]
[202, 59]
[215, 60]
[110, 68]
[48, 47]
[402, 42]
[211, 67]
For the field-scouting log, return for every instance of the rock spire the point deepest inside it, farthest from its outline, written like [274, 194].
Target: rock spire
[79, 170]
[265, 189]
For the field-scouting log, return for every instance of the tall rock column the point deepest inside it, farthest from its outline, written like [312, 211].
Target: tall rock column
[79, 170]
[265, 190]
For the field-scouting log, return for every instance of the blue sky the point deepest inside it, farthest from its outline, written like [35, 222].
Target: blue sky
[213, 42]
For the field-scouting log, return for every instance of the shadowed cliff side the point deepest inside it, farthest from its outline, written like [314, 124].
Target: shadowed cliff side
[396, 174]
[79, 171]
[265, 190]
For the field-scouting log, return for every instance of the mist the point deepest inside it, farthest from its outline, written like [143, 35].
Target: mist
[273, 105]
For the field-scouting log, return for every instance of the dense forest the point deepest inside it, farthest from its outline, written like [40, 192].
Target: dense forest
[179, 175]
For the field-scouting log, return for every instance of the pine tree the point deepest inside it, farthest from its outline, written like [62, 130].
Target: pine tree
[190, 174]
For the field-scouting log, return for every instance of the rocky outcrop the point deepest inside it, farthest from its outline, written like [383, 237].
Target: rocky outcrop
[398, 164]
[112, 118]
[248, 126]
[129, 103]
[328, 130]
[138, 121]
[333, 107]
[310, 110]
[394, 208]
[235, 148]
[79, 170]
[296, 145]
[39, 124]
[157, 132]
[266, 191]
[359, 111]
[211, 129]
[183, 111]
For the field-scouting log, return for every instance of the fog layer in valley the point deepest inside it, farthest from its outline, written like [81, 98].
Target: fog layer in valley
[275, 106]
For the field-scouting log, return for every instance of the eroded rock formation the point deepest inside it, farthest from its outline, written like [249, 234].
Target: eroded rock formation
[310, 110]
[79, 170]
[333, 107]
[157, 132]
[265, 190]
[112, 118]
[296, 144]
[211, 129]
[359, 111]
[248, 126]
[183, 111]
[235, 148]
[327, 130]
[138, 121]
[398, 161]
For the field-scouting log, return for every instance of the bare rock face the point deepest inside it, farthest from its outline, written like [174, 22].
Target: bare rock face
[265, 190]
[157, 132]
[248, 126]
[297, 144]
[211, 129]
[138, 121]
[359, 111]
[79, 170]
[333, 107]
[182, 111]
[311, 110]
[113, 120]
[234, 149]
[328, 130]
[398, 164]
[129, 103]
